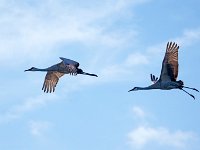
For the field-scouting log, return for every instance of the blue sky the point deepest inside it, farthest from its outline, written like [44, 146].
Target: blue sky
[122, 41]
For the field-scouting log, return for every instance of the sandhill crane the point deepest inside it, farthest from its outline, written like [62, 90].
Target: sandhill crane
[169, 73]
[56, 71]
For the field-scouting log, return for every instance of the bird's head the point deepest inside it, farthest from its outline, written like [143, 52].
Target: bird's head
[134, 89]
[31, 69]
[80, 71]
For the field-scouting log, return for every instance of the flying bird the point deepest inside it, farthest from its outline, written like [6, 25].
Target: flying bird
[169, 73]
[66, 66]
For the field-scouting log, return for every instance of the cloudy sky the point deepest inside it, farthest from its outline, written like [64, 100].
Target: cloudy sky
[123, 42]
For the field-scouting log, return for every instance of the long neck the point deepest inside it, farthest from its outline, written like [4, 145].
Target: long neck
[38, 69]
[45, 69]
[153, 86]
[144, 88]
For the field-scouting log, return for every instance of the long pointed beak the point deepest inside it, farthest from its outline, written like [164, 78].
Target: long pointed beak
[130, 90]
[27, 70]
[84, 73]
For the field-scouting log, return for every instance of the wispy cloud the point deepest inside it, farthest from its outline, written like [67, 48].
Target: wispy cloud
[139, 112]
[189, 37]
[136, 59]
[38, 128]
[145, 134]
[27, 30]
[28, 105]
[142, 136]
[121, 4]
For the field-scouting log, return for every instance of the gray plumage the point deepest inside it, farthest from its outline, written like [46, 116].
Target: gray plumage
[169, 73]
[56, 71]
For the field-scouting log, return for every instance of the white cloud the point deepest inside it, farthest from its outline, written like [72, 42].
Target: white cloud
[38, 128]
[113, 72]
[139, 112]
[28, 105]
[136, 59]
[29, 29]
[121, 4]
[189, 37]
[142, 136]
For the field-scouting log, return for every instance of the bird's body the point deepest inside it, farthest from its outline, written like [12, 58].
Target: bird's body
[169, 73]
[56, 71]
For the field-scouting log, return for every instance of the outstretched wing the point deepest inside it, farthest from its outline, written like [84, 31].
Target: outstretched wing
[51, 80]
[170, 63]
[69, 62]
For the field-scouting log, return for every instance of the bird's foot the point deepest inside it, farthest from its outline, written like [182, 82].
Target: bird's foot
[192, 96]
[195, 89]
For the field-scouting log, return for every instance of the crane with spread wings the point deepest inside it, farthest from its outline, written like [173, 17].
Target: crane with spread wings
[169, 73]
[66, 66]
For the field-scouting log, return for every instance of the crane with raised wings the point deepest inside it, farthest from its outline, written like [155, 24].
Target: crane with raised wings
[169, 73]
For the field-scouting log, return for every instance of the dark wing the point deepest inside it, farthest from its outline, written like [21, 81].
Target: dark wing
[154, 79]
[64, 68]
[69, 62]
[51, 79]
[170, 63]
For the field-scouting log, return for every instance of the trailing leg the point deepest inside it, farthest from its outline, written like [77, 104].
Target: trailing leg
[187, 93]
[190, 88]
